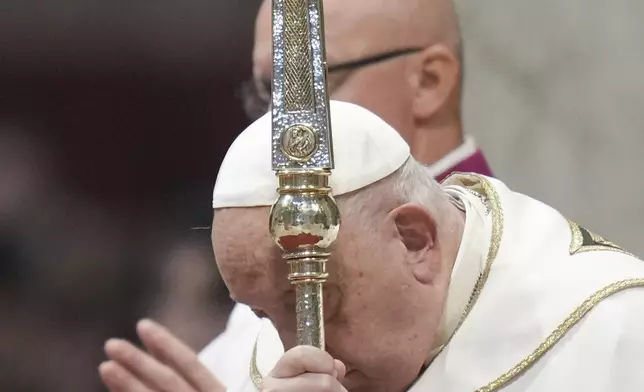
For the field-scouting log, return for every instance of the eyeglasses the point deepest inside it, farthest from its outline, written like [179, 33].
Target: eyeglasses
[256, 93]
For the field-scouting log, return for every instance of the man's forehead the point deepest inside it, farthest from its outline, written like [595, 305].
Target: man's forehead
[344, 25]
[249, 261]
[236, 228]
[358, 28]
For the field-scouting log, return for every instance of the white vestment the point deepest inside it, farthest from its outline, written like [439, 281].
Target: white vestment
[556, 308]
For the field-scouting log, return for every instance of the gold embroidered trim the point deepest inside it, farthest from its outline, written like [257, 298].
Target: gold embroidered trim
[559, 332]
[482, 188]
[488, 195]
[586, 241]
[255, 374]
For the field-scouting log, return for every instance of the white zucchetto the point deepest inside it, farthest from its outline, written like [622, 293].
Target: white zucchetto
[366, 150]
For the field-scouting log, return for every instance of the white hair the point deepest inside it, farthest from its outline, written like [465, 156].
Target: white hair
[412, 183]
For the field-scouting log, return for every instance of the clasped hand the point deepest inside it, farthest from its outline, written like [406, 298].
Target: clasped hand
[306, 368]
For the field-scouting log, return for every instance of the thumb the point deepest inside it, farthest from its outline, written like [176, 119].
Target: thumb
[340, 370]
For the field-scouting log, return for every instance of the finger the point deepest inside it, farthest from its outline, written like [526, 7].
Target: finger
[341, 369]
[118, 379]
[304, 359]
[309, 382]
[151, 372]
[171, 351]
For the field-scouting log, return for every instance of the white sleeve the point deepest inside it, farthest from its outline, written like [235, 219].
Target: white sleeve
[228, 356]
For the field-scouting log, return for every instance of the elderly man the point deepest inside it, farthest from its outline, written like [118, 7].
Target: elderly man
[463, 286]
[401, 60]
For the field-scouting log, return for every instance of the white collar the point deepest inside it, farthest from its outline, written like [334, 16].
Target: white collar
[454, 157]
[469, 263]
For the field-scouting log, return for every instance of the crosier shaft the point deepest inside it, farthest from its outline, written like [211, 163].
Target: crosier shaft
[305, 219]
[310, 314]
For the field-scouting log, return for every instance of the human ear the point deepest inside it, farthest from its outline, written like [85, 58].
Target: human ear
[435, 82]
[416, 229]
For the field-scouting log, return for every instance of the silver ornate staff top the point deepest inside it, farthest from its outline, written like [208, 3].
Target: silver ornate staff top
[305, 219]
[300, 105]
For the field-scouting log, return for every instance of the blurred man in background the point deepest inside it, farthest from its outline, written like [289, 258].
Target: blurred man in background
[402, 61]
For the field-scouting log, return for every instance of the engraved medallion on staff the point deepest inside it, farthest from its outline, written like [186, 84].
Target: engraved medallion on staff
[299, 142]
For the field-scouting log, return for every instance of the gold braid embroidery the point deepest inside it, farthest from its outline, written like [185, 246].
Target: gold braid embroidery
[590, 241]
[255, 374]
[559, 332]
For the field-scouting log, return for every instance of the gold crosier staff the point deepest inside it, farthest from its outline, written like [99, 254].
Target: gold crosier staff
[305, 219]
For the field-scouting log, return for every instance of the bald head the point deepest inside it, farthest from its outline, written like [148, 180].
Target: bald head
[417, 93]
[357, 28]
